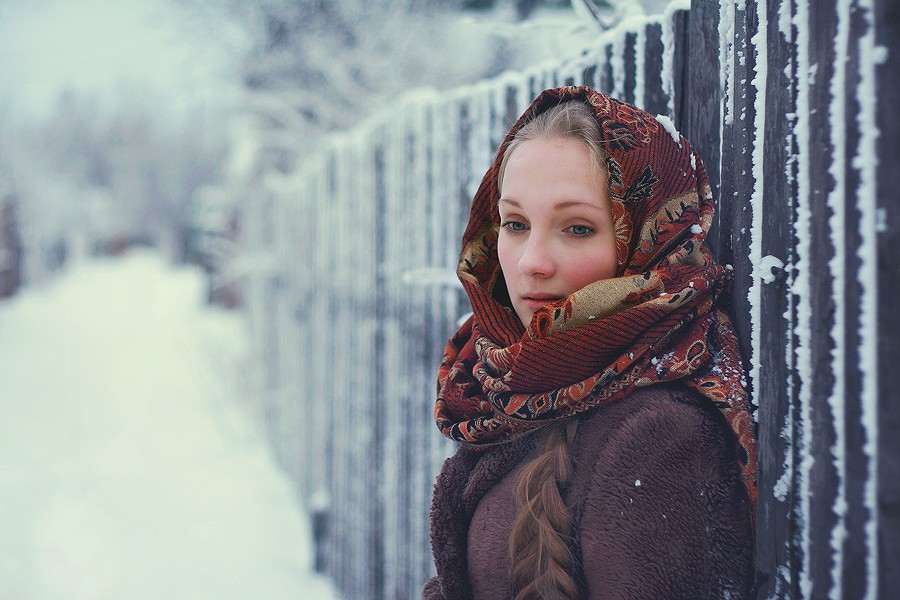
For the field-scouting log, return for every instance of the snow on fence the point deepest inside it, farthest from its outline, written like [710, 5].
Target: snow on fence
[790, 103]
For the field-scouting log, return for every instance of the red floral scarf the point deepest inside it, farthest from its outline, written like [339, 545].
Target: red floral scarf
[658, 320]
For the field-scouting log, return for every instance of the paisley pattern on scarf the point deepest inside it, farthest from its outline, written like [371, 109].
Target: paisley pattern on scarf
[660, 319]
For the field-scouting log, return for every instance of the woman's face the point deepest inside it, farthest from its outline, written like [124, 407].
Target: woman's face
[556, 225]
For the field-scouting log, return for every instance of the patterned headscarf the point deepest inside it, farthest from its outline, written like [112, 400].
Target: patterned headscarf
[659, 319]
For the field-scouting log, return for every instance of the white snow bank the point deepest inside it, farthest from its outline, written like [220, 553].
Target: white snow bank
[126, 468]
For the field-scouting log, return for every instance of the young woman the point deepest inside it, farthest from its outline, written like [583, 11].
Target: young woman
[606, 450]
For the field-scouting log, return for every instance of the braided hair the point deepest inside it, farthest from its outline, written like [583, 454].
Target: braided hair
[540, 558]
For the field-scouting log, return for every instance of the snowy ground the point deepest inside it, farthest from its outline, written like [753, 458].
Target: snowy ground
[128, 469]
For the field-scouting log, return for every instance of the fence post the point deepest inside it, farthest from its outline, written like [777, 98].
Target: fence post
[886, 19]
[701, 105]
[821, 434]
[775, 387]
[656, 100]
[680, 66]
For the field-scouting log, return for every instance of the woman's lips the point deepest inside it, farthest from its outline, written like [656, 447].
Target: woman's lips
[535, 302]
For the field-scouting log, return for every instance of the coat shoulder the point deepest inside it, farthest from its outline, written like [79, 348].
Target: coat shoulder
[660, 505]
[648, 412]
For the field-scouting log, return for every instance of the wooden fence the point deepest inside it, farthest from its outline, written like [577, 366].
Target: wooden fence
[792, 104]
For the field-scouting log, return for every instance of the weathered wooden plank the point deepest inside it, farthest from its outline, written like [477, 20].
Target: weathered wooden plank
[366, 351]
[886, 20]
[735, 229]
[606, 71]
[776, 386]
[702, 112]
[327, 520]
[822, 476]
[737, 178]
[322, 388]
[359, 407]
[856, 463]
[319, 418]
[393, 498]
[417, 341]
[433, 183]
[443, 199]
[345, 462]
[630, 67]
[656, 101]
[404, 439]
[680, 67]
[335, 424]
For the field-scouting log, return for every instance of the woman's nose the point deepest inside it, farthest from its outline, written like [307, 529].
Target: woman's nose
[536, 259]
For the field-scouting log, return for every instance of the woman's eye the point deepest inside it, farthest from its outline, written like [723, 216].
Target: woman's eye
[581, 230]
[514, 226]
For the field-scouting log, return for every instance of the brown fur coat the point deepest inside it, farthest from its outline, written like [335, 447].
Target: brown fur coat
[658, 508]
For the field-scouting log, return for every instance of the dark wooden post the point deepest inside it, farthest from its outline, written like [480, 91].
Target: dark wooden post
[775, 392]
[734, 220]
[823, 475]
[630, 67]
[887, 35]
[702, 114]
[855, 473]
[655, 98]
[606, 71]
[680, 66]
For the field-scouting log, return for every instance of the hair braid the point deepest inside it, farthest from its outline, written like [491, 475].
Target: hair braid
[540, 558]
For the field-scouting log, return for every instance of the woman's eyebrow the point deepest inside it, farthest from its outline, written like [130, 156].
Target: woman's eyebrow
[558, 206]
[576, 203]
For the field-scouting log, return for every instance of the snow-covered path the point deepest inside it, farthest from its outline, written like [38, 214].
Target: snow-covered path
[128, 469]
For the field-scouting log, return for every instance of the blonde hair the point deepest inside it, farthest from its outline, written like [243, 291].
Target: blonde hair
[568, 120]
[541, 560]
[540, 557]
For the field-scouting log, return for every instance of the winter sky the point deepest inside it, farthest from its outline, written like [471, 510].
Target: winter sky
[117, 49]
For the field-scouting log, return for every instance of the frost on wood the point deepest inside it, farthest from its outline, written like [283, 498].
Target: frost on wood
[769, 266]
[866, 161]
[670, 128]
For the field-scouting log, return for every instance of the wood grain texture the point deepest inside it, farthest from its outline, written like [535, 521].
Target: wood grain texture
[776, 393]
[656, 100]
[822, 476]
[887, 35]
